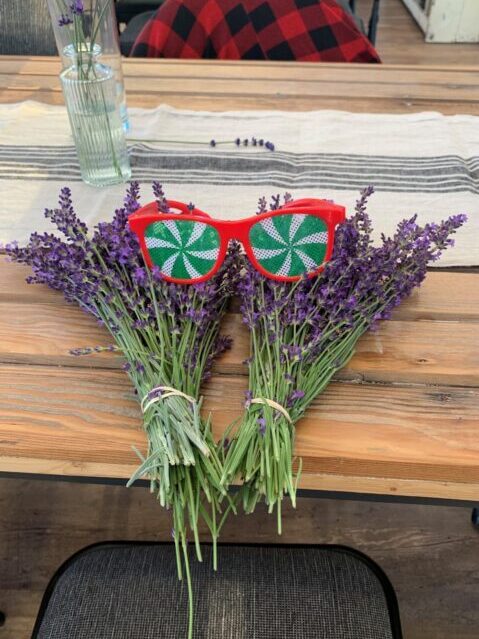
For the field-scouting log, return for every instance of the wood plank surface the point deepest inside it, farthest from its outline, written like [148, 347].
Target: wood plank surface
[402, 418]
[401, 41]
[424, 343]
[442, 296]
[428, 552]
[214, 85]
[54, 415]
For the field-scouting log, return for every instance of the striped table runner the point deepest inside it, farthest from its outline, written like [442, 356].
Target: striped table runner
[422, 163]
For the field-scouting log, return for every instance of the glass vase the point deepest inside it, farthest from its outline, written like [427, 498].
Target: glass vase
[93, 23]
[89, 88]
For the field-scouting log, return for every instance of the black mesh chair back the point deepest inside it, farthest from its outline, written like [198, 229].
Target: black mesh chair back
[131, 591]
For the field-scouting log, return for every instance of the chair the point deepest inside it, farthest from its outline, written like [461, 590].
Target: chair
[302, 30]
[26, 28]
[131, 591]
[373, 19]
[126, 10]
[133, 28]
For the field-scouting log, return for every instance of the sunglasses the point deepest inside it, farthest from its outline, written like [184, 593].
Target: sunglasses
[188, 246]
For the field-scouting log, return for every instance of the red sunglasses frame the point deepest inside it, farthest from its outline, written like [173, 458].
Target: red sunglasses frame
[331, 214]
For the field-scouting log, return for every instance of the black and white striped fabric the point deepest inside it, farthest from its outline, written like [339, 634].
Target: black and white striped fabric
[423, 163]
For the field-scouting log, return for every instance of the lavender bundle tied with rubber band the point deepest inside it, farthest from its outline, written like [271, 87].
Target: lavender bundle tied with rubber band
[169, 337]
[302, 333]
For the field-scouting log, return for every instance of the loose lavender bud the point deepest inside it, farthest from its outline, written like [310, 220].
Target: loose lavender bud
[77, 352]
[269, 146]
[262, 206]
[213, 143]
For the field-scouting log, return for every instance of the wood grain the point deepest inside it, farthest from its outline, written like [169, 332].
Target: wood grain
[400, 40]
[442, 296]
[218, 85]
[423, 345]
[401, 417]
[312, 83]
[392, 434]
[428, 552]
[400, 351]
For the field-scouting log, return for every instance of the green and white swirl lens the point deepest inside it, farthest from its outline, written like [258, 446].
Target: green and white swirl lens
[183, 249]
[290, 245]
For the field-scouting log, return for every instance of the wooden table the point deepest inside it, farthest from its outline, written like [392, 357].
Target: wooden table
[401, 420]
[217, 85]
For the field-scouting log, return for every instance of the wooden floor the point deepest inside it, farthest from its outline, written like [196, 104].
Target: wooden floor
[401, 41]
[430, 553]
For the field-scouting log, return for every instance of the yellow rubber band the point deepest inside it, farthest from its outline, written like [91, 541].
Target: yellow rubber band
[166, 391]
[272, 404]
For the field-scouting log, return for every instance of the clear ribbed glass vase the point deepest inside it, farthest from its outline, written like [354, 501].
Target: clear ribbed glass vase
[89, 88]
[90, 22]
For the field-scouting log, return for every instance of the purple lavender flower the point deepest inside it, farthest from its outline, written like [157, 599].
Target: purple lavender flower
[140, 276]
[262, 206]
[293, 397]
[77, 7]
[155, 393]
[358, 287]
[105, 274]
[161, 200]
[261, 421]
[64, 20]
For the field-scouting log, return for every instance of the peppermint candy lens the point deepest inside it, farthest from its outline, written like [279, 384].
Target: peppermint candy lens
[183, 249]
[290, 245]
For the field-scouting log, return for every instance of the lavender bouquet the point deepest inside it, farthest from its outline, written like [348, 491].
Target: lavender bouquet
[168, 336]
[302, 333]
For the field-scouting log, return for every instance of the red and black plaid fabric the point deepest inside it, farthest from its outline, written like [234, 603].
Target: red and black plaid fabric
[307, 30]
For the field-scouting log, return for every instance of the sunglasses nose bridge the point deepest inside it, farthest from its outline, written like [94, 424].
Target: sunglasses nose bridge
[237, 230]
